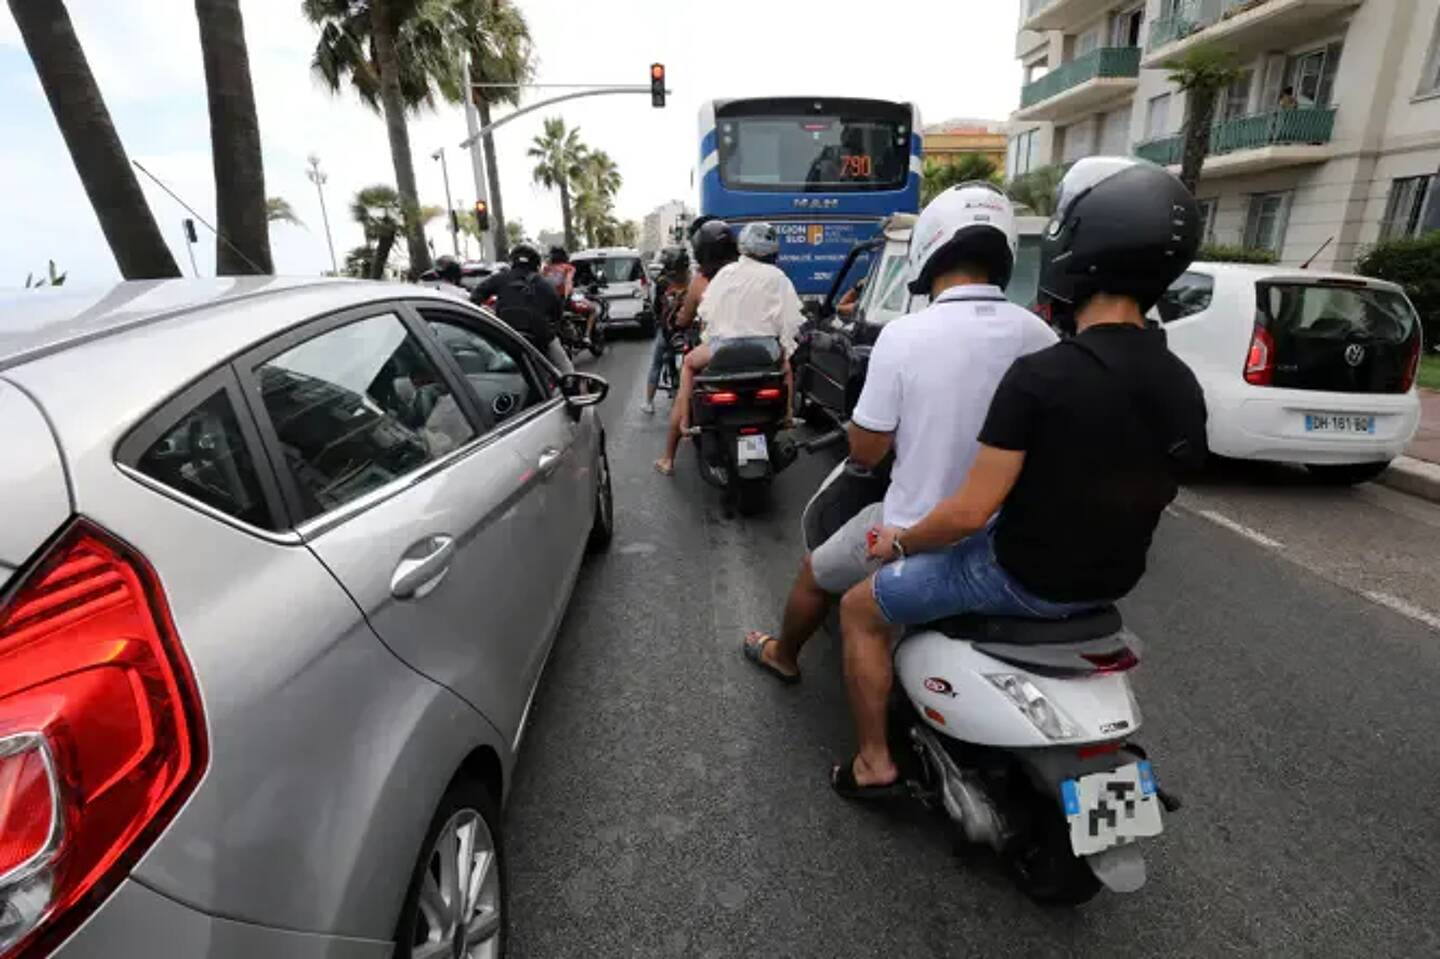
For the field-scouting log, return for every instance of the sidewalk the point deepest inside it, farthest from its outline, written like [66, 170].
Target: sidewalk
[1418, 473]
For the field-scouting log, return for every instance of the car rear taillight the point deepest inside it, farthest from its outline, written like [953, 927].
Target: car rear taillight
[1117, 662]
[1412, 365]
[101, 737]
[722, 398]
[769, 394]
[1260, 361]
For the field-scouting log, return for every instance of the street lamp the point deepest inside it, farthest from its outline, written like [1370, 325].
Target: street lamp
[318, 177]
[449, 207]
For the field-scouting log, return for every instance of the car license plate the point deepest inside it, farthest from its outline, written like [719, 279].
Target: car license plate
[751, 449]
[1338, 423]
[1108, 809]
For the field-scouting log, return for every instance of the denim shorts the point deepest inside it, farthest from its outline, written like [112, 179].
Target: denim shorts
[965, 578]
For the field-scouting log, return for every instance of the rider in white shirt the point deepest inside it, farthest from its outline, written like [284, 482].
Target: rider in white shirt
[749, 297]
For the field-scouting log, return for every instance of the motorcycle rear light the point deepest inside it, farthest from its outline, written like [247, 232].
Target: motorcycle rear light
[1119, 662]
[769, 395]
[1260, 361]
[1412, 365]
[101, 737]
[749, 431]
[723, 398]
[1100, 749]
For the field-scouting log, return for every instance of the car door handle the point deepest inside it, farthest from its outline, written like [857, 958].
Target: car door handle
[422, 568]
[549, 460]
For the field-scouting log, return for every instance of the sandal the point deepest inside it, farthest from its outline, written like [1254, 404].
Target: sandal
[842, 780]
[755, 653]
[664, 470]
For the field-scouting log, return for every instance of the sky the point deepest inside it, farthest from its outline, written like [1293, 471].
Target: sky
[952, 59]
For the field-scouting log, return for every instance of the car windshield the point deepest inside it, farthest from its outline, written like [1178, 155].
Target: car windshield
[611, 269]
[1338, 312]
[887, 295]
[813, 153]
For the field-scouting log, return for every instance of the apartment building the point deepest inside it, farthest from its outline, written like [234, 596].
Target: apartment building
[1330, 140]
[658, 228]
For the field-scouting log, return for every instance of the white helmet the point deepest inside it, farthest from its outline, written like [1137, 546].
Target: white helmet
[759, 241]
[970, 222]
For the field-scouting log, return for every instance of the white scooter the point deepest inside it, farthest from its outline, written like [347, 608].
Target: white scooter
[1021, 731]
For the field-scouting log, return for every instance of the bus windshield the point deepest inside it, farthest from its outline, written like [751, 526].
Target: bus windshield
[813, 153]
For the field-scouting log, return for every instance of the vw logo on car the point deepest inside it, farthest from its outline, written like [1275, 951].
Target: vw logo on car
[1355, 354]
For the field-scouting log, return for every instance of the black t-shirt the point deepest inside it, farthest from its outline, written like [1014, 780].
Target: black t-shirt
[525, 301]
[1107, 421]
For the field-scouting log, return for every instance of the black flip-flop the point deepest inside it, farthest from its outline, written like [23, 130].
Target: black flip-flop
[753, 652]
[842, 780]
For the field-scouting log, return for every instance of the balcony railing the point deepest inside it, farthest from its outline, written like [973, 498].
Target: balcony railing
[1101, 62]
[1188, 16]
[1298, 127]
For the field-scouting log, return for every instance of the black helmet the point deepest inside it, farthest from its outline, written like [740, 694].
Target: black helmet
[448, 269]
[697, 223]
[525, 255]
[1122, 226]
[558, 255]
[715, 246]
[674, 260]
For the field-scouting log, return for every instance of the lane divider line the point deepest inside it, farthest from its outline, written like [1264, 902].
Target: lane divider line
[1240, 529]
[1406, 609]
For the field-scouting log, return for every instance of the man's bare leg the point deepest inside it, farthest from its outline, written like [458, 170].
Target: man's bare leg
[680, 411]
[804, 614]
[868, 678]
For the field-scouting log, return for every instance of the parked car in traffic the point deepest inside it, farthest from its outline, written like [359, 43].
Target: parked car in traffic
[835, 351]
[621, 281]
[280, 567]
[1299, 366]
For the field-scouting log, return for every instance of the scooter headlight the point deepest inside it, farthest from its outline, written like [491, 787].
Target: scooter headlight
[1032, 702]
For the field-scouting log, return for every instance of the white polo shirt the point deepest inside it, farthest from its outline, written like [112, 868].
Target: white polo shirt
[930, 380]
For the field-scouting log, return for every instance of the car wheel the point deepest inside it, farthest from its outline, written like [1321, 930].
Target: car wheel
[456, 903]
[1346, 474]
[603, 529]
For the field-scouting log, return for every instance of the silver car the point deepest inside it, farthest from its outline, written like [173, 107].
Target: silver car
[280, 565]
[623, 284]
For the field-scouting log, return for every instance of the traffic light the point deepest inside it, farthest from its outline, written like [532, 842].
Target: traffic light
[482, 215]
[657, 84]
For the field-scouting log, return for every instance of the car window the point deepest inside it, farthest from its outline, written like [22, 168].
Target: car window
[357, 407]
[204, 456]
[614, 269]
[1024, 286]
[888, 296]
[495, 367]
[1188, 295]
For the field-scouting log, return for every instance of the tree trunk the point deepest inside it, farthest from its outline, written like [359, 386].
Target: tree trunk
[381, 255]
[565, 218]
[492, 175]
[1199, 114]
[240, 211]
[382, 27]
[95, 149]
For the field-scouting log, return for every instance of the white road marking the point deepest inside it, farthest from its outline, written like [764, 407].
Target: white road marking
[1255, 536]
[1404, 608]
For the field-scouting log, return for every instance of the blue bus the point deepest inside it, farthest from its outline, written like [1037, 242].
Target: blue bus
[826, 171]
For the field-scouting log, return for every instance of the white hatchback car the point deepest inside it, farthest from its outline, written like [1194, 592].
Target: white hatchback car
[1299, 366]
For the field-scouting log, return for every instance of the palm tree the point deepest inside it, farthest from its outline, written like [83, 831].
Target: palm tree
[514, 232]
[377, 209]
[629, 234]
[1202, 72]
[940, 175]
[95, 149]
[597, 185]
[240, 212]
[561, 158]
[500, 50]
[396, 55]
[279, 210]
[1037, 189]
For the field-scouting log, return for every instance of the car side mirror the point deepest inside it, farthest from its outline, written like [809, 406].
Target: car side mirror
[583, 389]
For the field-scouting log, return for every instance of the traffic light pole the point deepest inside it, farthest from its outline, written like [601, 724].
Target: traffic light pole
[478, 131]
[477, 162]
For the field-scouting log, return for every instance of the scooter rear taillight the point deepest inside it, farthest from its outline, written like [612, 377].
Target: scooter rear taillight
[770, 394]
[720, 398]
[1117, 662]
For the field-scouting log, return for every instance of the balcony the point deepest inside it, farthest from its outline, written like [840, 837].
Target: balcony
[1255, 143]
[1081, 85]
[1068, 15]
[1243, 27]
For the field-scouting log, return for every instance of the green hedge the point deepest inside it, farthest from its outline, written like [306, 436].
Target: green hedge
[1233, 253]
[1415, 265]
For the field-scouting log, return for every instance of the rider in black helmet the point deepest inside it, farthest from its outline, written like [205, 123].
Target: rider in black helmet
[447, 268]
[526, 302]
[715, 247]
[1081, 446]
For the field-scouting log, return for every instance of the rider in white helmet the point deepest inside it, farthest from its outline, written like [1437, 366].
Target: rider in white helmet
[927, 389]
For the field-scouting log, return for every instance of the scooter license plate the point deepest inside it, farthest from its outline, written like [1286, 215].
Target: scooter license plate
[1111, 808]
[751, 449]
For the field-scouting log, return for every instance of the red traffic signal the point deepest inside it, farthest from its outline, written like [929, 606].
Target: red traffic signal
[482, 215]
[657, 84]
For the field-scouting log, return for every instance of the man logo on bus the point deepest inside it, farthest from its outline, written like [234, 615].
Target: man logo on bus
[815, 235]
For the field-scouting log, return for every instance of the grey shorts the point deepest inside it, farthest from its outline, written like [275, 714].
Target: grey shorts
[844, 559]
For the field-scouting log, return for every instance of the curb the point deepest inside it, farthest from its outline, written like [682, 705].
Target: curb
[1416, 477]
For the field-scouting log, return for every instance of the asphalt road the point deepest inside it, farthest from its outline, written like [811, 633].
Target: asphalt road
[672, 801]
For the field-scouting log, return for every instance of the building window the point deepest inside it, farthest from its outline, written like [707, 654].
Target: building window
[1086, 42]
[1236, 102]
[1022, 153]
[1310, 76]
[1430, 71]
[1266, 220]
[1126, 28]
[1208, 208]
[1157, 116]
[1405, 210]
